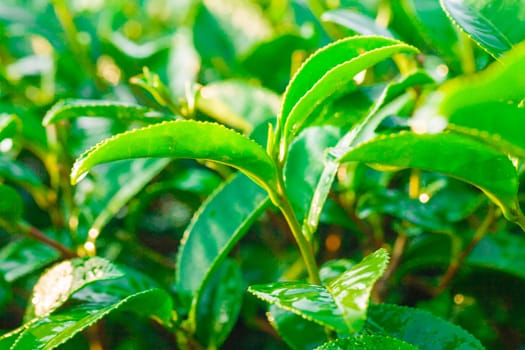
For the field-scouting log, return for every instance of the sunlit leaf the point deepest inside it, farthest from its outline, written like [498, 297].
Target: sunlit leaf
[184, 139]
[73, 108]
[329, 71]
[357, 22]
[52, 331]
[496, 25]
[340, 305]
[446, 153]
[57, 284]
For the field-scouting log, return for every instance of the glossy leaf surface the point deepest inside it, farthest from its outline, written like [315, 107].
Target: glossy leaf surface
[496, 25]
[219, 224]
[357, 22]
[57, 284]
[220, 305]
[366, 342]
[183, 139]
[418, 327]
[67, 109]
[331, 70]
[447, 153]
[52, 331]
[340, 305]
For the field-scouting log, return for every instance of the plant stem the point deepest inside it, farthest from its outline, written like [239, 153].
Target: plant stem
[38, 235]
[304, 247]
[456, 263]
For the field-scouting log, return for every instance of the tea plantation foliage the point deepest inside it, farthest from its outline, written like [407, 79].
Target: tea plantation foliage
[271, 174]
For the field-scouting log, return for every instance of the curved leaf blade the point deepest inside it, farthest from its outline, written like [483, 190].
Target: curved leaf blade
[494, 25]
[210, 237]
[406, 323]
[52, 331]
[329, 70]
[73, 108]
[184, 139]
[359, 23]
[446, 153]
[340, 305]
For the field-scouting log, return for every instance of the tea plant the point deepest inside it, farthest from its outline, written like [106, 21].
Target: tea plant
[374, 204]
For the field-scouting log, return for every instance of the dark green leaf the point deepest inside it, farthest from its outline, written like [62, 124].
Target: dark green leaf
[24, 256]
[68, 109]
[502, 252]
[450, 154]
[222, 220]
[219, 305]
[11, 205]
[495, 25]
[419, 328]
[367, 342]
[184, 139]
[298, 333]
[340, 305]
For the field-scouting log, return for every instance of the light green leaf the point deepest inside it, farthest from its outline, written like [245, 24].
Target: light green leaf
[357, 22]
[447, 153]
[367, 342]
[331, 70]
[10, 125]
[184, 139]
[73, 108]
[500, 82]
[56, 285]
[237, 103]
[52, 331]
[216, 227]
[497, 124]
[388, 103]
[419, 328]
[183, 63]
[340, 305]
[495, 25]
[220, 304]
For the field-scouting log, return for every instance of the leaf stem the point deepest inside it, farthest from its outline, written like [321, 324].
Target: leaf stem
[456, 263]
[307, 253]
[38, 235]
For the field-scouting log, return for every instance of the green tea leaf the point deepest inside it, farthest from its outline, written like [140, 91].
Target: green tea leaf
[9, 125]
[340, 305]
[220, 304]
[328, 71]
[184, 139]
[494, 25]
[357, 22]
[11, 205]
[502, 251]
[57, 284]
[216, 227]
[419, 328]
[446, 153]
[52, 331]
[366, 342]
[389, 102]
[298, 333]
[183, 64]
[24, 256]
[73, 108]
[500, 82]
